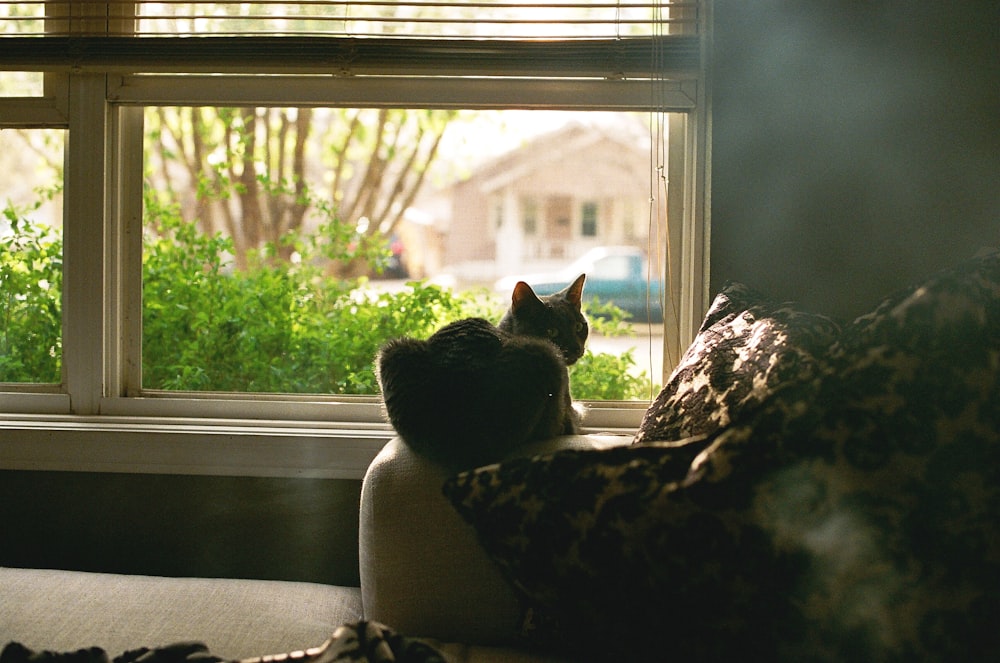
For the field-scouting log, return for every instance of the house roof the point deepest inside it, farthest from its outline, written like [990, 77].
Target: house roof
[555, 147]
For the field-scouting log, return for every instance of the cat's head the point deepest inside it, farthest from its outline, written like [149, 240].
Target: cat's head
[557, 317]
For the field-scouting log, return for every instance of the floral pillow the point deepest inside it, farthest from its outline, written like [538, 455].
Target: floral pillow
[853, 516]
[748, 347]
[615, 558]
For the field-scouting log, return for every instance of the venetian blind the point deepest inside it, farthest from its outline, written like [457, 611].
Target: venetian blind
[625, 39]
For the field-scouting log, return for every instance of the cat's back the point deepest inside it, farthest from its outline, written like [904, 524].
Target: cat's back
[466, 343]
[454, 345]
[471, 391]
[415, 376]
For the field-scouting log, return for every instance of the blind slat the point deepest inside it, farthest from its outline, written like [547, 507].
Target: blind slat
[602, 39]
[501, 19]
[637, 58]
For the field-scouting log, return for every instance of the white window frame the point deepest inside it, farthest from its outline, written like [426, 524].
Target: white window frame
[95, 421]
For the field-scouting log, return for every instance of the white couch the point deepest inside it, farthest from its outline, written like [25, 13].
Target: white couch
[422, 573]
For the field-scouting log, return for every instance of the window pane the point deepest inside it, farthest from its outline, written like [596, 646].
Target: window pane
[21, 84]
[589, 220]
[21, 18]
[31, 256]
[283, 246]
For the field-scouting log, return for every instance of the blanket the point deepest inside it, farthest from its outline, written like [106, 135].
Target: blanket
[362, 642]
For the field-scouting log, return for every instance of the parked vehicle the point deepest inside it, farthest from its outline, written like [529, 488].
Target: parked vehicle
[615, 274]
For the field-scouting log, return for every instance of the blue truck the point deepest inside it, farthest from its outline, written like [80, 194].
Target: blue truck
[615, 274]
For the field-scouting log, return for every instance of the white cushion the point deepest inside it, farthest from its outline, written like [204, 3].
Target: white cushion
[422, 570]
[70, 610]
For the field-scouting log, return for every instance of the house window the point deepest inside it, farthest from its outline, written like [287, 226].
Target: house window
[629, 222]
[529, 216]
[588, 219]
[182, 153]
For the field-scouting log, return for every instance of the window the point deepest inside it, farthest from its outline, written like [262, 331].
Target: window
[529, 216]
[257, 222]
[31, 257]
[20, 84]
[629, 224]
[588, 219]
[138, 95]
[21, 18]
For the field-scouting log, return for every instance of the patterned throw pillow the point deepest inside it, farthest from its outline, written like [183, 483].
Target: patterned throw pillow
[616, 559]
[747, 348]
[903, 476]
[855, 516]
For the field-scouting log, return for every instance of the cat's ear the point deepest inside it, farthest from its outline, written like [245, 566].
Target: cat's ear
[574, 293]
[523, 295]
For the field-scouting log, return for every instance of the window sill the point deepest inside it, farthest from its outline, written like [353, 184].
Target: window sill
[221, 447]
[201, 447]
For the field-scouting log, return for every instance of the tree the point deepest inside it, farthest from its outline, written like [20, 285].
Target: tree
[253, 173]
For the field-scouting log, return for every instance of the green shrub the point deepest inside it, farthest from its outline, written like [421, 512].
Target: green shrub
[607, 377]
[276, 326]
[30, 301]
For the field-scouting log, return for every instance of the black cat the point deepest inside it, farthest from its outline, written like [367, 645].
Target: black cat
[473, 392]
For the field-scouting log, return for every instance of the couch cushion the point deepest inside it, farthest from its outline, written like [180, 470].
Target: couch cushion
[69, 610]
[422, 570]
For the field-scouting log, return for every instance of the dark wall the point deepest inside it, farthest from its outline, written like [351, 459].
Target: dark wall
[856, 145]
[242, 527]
